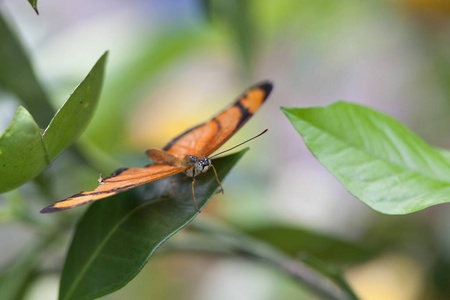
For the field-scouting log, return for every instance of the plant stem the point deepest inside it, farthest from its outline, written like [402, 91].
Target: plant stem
[215, 239]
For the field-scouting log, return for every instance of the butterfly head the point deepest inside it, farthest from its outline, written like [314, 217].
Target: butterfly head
[196, 165]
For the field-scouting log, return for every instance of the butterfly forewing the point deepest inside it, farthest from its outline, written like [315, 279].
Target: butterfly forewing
[206, 138]
[117, 183]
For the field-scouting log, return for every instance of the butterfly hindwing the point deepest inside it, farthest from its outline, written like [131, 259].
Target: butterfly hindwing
[161, 157]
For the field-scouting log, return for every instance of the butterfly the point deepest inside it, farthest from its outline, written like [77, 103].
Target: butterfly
[189, 152]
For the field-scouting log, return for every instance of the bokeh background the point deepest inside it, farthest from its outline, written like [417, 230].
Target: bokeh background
[174, 64]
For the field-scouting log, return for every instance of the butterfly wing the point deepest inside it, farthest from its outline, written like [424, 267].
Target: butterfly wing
[201, 140]
[206, 138]
[121, 180]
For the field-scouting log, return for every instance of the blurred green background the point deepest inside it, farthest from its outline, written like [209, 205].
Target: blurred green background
[174, 64]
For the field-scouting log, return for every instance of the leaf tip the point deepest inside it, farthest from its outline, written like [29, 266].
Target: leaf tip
[104, 55]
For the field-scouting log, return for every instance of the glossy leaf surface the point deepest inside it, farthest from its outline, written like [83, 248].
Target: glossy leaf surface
[22, 152]
[73, 117]
[375, 157]
[117, 236]
[25, 151]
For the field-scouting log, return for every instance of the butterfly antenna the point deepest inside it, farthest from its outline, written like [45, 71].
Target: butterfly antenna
[240, 143]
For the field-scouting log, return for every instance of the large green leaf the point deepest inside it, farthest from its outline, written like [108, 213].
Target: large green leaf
[22, 152]
[117, 236]
[17, 75]
[73, 117]
[375, 157]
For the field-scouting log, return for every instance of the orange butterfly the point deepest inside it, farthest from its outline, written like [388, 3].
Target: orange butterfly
[186, 153]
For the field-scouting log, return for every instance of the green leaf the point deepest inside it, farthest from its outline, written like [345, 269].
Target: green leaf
[22, 152]
[34, 5]
[17, 75]
[117, 236]
[293, 240]
[375, 157]
[73, 117]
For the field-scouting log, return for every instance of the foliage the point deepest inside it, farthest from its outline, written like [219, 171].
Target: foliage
[116, 237]
[377, 159]
[26, 150]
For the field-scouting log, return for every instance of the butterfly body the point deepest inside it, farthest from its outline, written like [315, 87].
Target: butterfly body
[189, 152]
[193, 165]
[196, 165]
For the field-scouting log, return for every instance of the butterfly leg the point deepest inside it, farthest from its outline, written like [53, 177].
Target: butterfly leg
[100, 180]
[217, 178]
[193, 194]
[171, 186]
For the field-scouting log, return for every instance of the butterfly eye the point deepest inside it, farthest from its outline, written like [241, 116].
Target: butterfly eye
[199, 166]
[193, 158]
[203, 165]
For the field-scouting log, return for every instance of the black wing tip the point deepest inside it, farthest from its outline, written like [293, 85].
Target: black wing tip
[266, 86]
[114, 174]
[51, 209]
